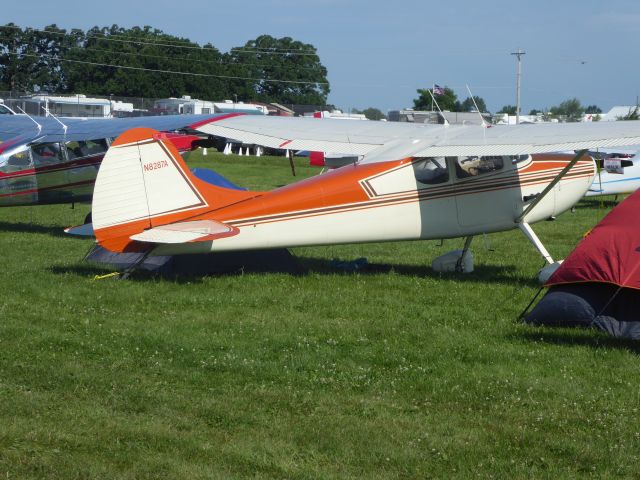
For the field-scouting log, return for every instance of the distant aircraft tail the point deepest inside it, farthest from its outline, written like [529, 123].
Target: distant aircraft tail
[142, 184]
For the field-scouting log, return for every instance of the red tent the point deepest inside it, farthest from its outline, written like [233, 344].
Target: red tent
[610, 253]
[598, 285]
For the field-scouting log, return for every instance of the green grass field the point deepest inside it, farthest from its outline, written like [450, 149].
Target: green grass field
[390, 372]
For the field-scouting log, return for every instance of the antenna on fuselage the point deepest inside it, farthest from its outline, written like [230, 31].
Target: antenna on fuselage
[484, 123]
[49, 114]
[446, 122]
[31, 118]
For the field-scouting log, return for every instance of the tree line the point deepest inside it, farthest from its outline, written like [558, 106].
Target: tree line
[570, 110]
[146, 62]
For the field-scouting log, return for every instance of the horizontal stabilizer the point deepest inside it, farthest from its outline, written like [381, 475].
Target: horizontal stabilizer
[183, 232]
[85, 230]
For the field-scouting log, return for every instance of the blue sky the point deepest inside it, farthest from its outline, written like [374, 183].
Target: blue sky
[379, 52]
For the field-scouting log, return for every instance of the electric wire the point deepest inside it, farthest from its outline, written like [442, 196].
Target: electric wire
[158, 70]
[129, 39]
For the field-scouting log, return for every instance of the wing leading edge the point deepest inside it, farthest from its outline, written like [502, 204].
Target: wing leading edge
[383, 141]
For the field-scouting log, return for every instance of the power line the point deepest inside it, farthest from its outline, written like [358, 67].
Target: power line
[157, 70]
[130, 39]
[175, 58]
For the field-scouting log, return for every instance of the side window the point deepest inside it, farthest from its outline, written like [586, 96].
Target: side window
[95, 147]
[82, 148]
[431, 170]
[474, 166]
[46, 154]
[15, 162]
[75, 150]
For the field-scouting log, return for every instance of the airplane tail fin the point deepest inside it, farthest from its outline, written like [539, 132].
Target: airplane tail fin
[143, 183]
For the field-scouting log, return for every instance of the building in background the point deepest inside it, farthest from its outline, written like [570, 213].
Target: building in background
[69, 106]
[188, 106]
[337, 114]
[427, 116]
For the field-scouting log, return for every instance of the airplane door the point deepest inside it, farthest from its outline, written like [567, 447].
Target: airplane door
[485, 194]
[84, 158]
[18, 184]
[433, 178]
[49, 163]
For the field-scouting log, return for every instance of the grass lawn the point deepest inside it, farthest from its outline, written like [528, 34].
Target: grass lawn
[390, 372]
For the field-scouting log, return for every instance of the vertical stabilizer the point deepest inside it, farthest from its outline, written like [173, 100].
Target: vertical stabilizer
[143, 183]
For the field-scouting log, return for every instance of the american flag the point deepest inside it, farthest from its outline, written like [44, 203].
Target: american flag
[438, 90]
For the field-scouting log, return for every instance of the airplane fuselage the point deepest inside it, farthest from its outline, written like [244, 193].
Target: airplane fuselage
[399, 200]
[610, 183]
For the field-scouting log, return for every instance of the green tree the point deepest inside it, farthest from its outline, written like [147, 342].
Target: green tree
[508, 109]
[145, 56]
[593, 109]
[279, 70]
[373, 113]
[570, 110]
[634, 114]
[30, 59]
[535, 111]
[468, 105]
[446, 101]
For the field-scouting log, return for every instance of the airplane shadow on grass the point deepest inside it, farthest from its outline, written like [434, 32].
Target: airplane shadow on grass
[54, 231]
[194, 269]
[599, 202]
[481, 273]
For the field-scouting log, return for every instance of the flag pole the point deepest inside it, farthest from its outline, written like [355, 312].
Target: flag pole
[433, 87]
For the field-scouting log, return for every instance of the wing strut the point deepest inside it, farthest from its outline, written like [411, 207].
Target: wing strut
[525, 227]
[533, 238]
[293, 165]
[552, 184]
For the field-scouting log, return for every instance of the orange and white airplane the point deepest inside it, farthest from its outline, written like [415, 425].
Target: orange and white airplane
[414, 182]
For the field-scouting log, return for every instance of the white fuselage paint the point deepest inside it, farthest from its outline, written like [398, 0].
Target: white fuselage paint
[451, 213]
[606, 183]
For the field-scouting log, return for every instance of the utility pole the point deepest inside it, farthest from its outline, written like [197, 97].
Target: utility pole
[518, 54]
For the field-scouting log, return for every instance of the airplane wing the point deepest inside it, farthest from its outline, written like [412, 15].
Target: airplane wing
[383, 141]
[90, 128]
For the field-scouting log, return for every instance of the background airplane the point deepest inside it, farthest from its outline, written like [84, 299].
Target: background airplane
[618, 172]
[47, 160]
[414, 182]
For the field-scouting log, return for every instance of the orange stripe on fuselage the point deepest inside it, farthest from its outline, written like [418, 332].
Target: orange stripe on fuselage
[337, 187]
[327, 193]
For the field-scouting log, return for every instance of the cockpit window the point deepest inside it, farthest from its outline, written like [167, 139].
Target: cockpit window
[519, 158]
[474, 166]
[46, 154]
[86, 148]
[431, 170]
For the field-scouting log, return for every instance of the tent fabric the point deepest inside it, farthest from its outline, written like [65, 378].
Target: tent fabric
[214, 178]
[604, 306]
[610, 253]
[598, 285]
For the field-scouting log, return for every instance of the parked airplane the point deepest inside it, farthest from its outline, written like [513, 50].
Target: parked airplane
[618, 173]
[46, 160]
[414, 182]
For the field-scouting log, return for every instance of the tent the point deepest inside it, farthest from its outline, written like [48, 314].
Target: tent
[598, 285]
